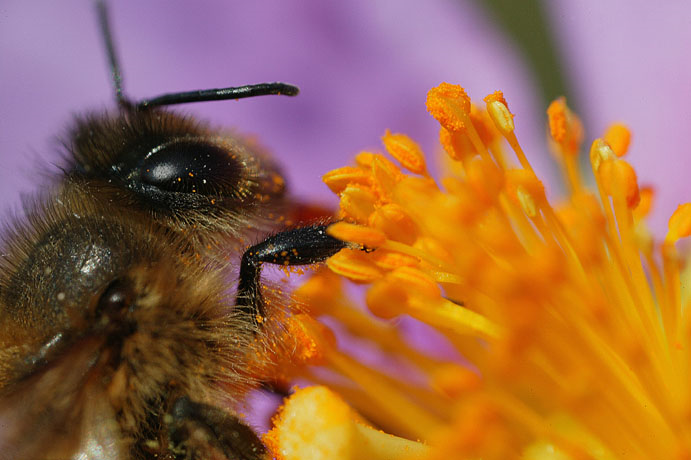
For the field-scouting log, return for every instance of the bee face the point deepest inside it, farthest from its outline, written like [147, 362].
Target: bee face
[119, 330]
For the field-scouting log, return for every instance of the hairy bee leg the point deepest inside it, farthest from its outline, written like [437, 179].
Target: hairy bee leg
[197, 429]
[300, 246]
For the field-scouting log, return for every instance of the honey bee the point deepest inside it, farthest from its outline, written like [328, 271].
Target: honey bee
[119, 335]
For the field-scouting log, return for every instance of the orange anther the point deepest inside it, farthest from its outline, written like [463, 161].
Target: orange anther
[389, 260]
[354, 265]
[406, 151]
[498, 110]
[357, 202]
[449, 105]
[600, 151]
[619, 180]
[386, 175]
[557, 117]
[364, 236]
[338, 179]
[618, 137]
[416, 280]
[395, 222]
[364, 159]
[456, 144]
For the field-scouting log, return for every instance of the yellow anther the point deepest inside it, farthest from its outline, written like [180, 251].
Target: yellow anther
[456, 144]
[416, 280]
[338, 179]
[406, 151]
[389, 260]
[395, 222]
[564, 127]
[354, 265]
[386, 175]
[364, 236]
[498, 110]
[364, 159]
[557, 117]
[450, 105]
[619, 180]
[600, 151]
[680, 223]
[618, 137]
[357, 202]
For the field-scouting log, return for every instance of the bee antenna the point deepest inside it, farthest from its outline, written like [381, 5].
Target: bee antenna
[220, 94]
[216, 94]
[116, 75]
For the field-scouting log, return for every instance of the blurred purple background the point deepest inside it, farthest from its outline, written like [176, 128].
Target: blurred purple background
[362, 67]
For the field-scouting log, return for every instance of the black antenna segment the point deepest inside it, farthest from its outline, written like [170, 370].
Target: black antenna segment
[218, 94]
[116, 76]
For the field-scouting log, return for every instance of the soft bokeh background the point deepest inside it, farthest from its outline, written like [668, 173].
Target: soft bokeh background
[362, 66]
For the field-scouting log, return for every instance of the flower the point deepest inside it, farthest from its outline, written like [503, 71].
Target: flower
[572, 319]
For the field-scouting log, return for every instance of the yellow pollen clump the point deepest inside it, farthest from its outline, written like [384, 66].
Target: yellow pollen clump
[503, 324]
[450, 105]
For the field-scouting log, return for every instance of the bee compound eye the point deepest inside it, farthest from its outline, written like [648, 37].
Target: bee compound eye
[191, 167]
[116, 299]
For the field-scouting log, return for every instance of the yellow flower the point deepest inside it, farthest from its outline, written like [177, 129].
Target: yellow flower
[571, 318]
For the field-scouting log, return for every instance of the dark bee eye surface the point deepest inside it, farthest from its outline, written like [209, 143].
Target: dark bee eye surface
[118, 296]
[190, 167]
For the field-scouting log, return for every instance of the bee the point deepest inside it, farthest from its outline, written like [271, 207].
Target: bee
[120, 337]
